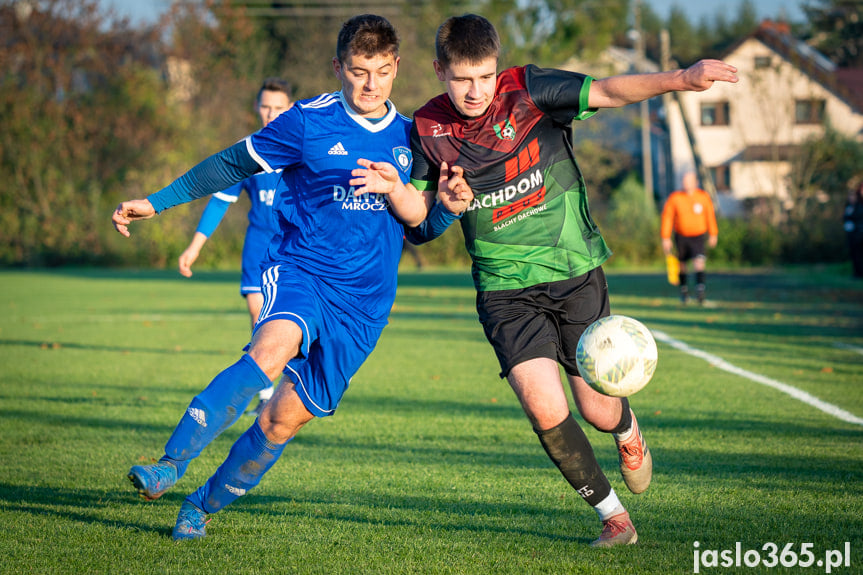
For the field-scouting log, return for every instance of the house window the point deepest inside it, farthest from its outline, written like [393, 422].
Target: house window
[721, 178]
[714, 114]
[762, 62]
[809, 111]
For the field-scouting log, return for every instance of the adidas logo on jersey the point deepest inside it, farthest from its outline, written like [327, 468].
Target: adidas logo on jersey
[338, 150]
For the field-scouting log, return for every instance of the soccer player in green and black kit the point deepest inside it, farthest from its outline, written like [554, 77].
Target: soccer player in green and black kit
[505, 143]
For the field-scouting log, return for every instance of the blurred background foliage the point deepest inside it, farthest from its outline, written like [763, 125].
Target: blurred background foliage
[94, 111]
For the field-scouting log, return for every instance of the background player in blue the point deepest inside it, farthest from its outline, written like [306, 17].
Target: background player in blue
[274, 97]
[331, 278]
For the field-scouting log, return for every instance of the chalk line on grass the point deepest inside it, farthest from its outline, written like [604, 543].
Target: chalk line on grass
[848, 346]
[798, 394]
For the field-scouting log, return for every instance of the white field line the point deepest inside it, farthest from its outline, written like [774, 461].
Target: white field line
[849, 347]
[798, 394]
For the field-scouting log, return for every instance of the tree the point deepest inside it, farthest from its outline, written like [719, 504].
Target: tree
[223, 61]
[651, 26]
[746, 21]
[818, 187]
[296, 40]
[87, 118]
[630, 225]
[78, 115]
[548, 32]
[837, 30]
[713, 35]
[687, 44]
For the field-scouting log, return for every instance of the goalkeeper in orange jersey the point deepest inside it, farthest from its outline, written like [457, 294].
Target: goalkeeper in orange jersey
[689, 214]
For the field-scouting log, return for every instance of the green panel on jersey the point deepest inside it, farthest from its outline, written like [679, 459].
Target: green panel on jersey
[422, 185]
[554, 240]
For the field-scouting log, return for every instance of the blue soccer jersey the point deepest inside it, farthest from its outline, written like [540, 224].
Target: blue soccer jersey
[352, 244]
[263, 224]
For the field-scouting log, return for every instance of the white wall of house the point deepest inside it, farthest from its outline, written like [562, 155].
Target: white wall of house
[759, 179]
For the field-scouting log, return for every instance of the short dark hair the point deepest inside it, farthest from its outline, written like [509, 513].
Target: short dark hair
[469, 38]
[274, 84]
[367, 35]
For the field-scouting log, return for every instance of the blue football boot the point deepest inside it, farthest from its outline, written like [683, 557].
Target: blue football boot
[191, 523]
[152, 481]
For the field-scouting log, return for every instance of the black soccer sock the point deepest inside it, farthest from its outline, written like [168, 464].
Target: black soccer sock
[567, 446]
[682, 277]
[625, 423]
[700, 287]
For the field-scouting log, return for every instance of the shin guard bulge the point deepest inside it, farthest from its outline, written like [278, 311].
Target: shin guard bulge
[213, 410]
[251, 456]
[567, 446]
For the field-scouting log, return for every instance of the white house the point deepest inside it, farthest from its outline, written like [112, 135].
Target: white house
[745, 133]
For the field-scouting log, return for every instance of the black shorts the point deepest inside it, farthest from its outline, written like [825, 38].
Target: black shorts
[544, 320]
[690, 247]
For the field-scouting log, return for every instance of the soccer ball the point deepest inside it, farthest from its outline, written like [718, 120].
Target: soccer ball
[616, 355]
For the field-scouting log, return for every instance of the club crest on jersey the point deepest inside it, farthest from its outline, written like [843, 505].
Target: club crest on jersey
[506, 129]
[403, 158]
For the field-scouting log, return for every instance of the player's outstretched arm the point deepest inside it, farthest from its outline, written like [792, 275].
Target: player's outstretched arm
[191, 253]
[409, 204]
[214, 174]
[617, 91]
[130, 211]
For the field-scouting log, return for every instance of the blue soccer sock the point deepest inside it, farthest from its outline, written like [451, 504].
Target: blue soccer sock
[251, 456]
[213, 410]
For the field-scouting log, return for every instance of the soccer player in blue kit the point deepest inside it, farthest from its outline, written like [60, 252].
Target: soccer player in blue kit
[274, 97]
[330, 279]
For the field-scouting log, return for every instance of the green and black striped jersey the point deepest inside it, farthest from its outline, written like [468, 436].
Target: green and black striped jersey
[529, 222]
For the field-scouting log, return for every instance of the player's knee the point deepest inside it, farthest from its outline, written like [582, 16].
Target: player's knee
[274, 344]
[608, 414]
[271, 363]
[271, 354]
[272, 430]
[279, 427]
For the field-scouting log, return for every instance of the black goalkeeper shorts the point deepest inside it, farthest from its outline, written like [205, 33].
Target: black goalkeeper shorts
[544, 320]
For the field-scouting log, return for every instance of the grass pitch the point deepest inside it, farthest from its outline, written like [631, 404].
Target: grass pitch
[429, 465]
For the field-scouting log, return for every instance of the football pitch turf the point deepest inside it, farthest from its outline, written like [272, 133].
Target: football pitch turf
[429, 466]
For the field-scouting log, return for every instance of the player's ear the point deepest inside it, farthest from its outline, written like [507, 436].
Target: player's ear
[439, 70]
[396, 66]
[337, 67]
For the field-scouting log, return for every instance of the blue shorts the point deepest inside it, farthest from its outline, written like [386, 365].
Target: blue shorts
[254, 251]
[335, 343]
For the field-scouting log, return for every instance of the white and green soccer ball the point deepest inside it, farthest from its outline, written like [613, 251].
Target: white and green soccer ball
[616, 355]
